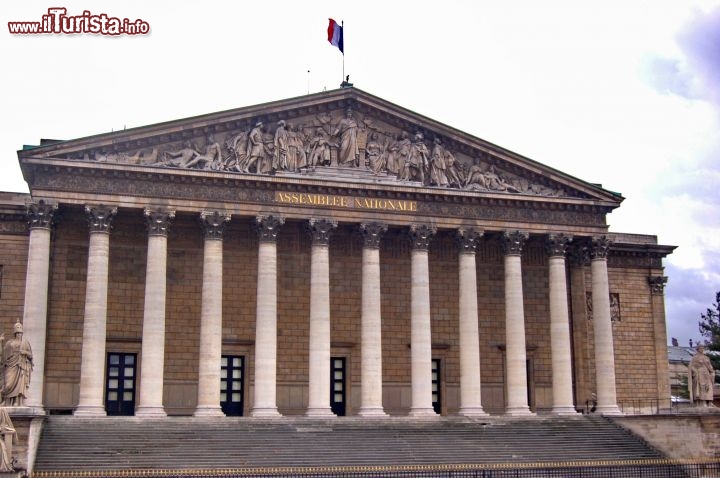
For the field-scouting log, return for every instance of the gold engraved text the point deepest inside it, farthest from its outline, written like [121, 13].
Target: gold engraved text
[330, 200]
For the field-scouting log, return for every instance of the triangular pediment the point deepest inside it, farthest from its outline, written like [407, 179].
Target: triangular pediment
[342, 136]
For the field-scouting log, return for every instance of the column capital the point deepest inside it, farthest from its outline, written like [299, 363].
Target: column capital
[420, 234]
[100, 217]
[268, 227]
[599, 247]
[158, 222]
[214, 223]
[40, 214]
[579, 254]
[556, 244]
[372, 232]
[657, 284]
[467, 239]
[320, 230]
[513, 242]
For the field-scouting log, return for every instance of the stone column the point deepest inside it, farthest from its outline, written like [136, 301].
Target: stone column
[319, 371]
[604, 351]
[470, 392]
[152, 363]
[581, 324]
[371, 323]
[556, 245]
[657, 301]
[92, 363]
[211, 315]
[265, 392]
[515, 355]
[40, 219]
[420, 336]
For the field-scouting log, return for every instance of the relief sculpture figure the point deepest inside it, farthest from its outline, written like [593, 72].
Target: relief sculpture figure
[255, 152]
[280, 156]
[319, 150]
[375, 154]
[180, 158]
[296, 149]
[238, 149]
[17, 365]
[347, 129]
[212, 159]
[438, 165]
[701, 378]
[416, 161]
[453, 170]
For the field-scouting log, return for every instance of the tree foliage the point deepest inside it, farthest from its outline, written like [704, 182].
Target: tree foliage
[710, 329]
[710, 325]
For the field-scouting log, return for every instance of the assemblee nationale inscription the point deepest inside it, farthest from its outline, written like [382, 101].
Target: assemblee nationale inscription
[329, 200]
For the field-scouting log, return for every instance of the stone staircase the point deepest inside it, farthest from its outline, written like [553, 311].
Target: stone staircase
[186, 443]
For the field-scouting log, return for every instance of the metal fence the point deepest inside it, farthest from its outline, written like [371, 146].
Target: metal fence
[659, 468]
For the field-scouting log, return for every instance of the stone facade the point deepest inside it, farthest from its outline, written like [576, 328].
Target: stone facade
[508, 194]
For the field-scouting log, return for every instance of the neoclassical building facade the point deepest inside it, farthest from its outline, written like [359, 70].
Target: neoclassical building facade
[331, 254]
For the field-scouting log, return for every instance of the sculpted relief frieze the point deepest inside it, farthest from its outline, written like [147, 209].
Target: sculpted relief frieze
[338, 144]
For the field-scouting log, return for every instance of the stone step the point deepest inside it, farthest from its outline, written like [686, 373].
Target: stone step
[117, 443]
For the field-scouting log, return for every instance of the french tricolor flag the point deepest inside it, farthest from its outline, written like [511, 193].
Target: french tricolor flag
[335, 35]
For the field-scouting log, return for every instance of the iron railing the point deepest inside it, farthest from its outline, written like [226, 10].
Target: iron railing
[649, 468]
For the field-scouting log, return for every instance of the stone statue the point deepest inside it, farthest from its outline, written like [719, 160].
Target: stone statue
[347, 129]
[8, 436]
[18, 364]
[701, 378]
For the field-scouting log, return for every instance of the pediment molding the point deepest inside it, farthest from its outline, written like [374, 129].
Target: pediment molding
[395, 147]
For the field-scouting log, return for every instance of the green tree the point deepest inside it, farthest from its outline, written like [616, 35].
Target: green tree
[710, 330]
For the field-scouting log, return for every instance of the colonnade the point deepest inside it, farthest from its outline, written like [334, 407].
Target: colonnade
[264, 401]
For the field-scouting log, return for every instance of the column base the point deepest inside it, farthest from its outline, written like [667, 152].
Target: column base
[150, 412]
[611, 410]
[89, 411]
[564, 410]
[423, 413]
[519, 412]
[208, 411]
[320, 413]
[265, 413]
[473, 412]
[372, 412]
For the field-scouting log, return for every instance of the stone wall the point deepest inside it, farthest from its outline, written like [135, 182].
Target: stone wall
[678, 436]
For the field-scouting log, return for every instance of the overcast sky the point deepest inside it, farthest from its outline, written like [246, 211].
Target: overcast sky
[624, 93]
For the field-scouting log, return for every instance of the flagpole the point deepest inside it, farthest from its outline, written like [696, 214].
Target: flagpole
[342, 25]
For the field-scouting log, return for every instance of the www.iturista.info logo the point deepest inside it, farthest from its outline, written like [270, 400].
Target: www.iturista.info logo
[57, 21]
